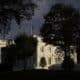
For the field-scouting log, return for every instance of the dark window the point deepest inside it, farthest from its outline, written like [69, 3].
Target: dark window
[49, 60]
[42, 49]
[43, 62]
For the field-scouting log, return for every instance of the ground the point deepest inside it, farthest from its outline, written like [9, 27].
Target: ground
[39, 75]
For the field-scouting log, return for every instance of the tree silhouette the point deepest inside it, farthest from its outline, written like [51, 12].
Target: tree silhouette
[17, 9]
[68, 64]
[60, 26]
[25, 47]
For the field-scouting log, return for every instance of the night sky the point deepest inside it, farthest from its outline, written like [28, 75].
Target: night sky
[37, 20]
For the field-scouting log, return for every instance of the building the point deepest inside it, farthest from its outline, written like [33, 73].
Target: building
[44, 57]
[3, 43]
[53, 54]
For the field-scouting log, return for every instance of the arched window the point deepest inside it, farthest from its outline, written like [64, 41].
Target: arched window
[43, 62]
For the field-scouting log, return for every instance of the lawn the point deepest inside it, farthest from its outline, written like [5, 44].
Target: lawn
[39, 74]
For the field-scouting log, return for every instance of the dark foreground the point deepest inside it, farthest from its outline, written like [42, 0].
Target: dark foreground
[39, 75]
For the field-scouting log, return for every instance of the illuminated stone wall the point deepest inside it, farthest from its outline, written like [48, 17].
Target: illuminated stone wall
[52, 54]
[3, 43]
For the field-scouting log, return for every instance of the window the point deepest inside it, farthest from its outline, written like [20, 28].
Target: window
[50, 49]
[42, 49]
[72, 51]
[49, 60]
[43, 62]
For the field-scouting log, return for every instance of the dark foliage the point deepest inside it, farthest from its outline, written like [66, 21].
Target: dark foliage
[25, 47]
[68, 64]
[61, 27]
[17, 9]
[25, 44]
[61, 24]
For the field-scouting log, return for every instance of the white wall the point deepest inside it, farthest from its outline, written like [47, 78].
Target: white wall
[3, 43]
[43, 50]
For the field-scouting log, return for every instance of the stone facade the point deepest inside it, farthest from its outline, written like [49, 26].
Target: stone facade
[52, 54]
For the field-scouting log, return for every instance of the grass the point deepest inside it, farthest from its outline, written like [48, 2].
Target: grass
[39, 74]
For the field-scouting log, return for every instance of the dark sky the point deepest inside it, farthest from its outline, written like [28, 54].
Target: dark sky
[37, 20]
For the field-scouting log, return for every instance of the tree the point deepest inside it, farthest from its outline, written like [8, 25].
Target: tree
[77, 36]
[25, 47]
[68, 64]
[17, 9]
[60, 26]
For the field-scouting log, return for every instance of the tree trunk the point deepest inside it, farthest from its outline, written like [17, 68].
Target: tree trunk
[78, 54]
[68, 63]
[24, 65]
[67, 49]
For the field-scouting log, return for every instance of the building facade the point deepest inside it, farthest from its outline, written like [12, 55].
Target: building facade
[53, 54]
[44, 57]
[3, 43]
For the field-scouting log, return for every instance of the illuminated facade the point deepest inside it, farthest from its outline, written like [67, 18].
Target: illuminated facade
[52, 54]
